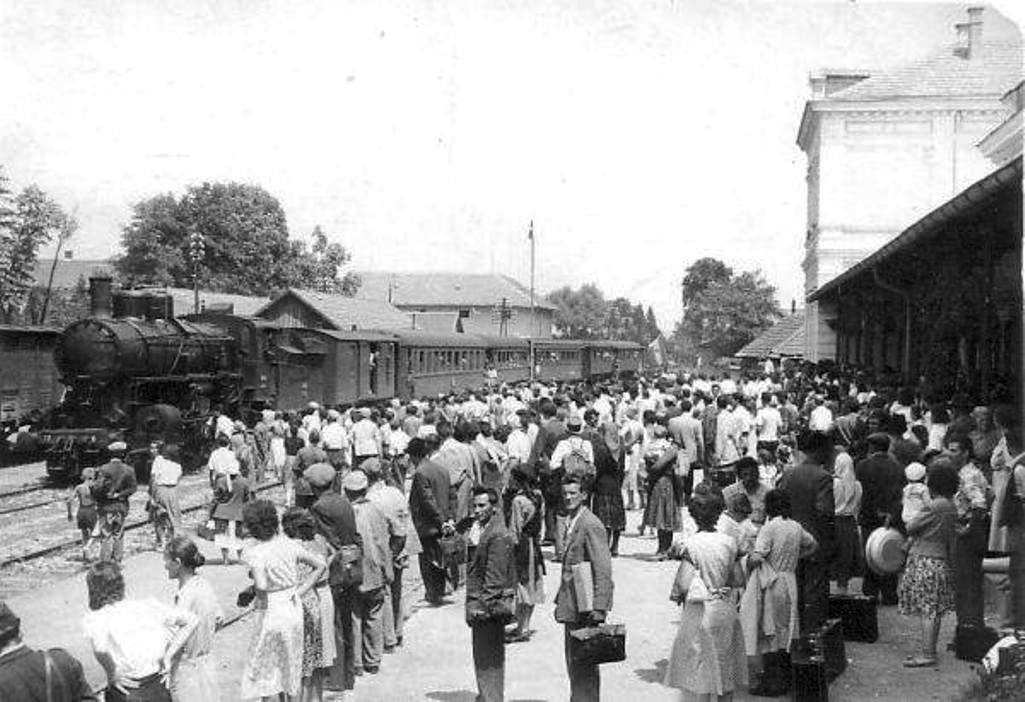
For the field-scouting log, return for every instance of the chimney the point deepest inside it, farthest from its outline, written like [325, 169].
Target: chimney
[969, 34]
[100, 303]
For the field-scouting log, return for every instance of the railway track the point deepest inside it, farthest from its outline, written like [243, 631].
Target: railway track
[22, 558]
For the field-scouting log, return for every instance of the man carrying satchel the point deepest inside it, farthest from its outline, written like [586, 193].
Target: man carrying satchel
[336, 522]
[490, 594]
[586, 554]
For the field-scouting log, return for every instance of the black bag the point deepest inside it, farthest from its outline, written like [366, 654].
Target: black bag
[593, 645]
[346, 567]
[830, 643]
[858, 615]
[972, 643]
[1011, 657]
[809, 682]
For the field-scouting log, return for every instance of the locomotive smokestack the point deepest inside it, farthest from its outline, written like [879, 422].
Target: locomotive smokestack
[100, 299]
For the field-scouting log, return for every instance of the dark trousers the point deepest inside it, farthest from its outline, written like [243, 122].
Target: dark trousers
[968, 595]
[812, 594]
[368, 628]
[584, 680]
[874, 585]
[688, 481]
[343, 672]
[489, 659]
[433, 578]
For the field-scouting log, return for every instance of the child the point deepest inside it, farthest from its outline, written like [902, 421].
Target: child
[86, 519]
[916, 494]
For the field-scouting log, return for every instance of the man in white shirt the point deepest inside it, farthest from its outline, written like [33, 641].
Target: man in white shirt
[768, 422]
[821, 418]
[334, 441]
[574, 443]
[222, 460]
[518, 445]
[727, 434]
[366, 438]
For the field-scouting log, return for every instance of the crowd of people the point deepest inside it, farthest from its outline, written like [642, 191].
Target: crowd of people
[784, 474]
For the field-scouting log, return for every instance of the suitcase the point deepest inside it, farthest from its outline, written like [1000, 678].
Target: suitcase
[858, 614]
[972, 642]
[594, 645]
[829, 643]
[809, 682]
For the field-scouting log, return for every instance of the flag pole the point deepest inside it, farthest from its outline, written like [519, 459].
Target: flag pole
[533, 312]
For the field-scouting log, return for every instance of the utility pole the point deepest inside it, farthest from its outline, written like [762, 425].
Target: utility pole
[501, 314]
[197, 250]
[533, 312]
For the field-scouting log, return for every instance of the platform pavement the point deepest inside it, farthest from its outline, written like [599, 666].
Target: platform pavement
[52, 615]
[435, 662]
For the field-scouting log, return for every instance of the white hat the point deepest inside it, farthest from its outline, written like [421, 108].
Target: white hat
[884, 551]
[914, 471]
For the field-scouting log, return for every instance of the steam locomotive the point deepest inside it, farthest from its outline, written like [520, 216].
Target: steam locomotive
[134, 371]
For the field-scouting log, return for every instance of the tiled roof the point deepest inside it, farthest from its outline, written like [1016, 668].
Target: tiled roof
[993, 70]
[347, 312]
[446, 289]
[437, 322]
[69, 271]
[785, 338]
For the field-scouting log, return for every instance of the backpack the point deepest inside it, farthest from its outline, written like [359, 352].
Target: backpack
[346, 567]
[577, 463]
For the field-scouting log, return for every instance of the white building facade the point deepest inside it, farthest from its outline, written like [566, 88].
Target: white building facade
[885, 149]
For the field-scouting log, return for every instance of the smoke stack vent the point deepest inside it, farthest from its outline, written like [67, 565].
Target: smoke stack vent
[969, 34]
[100, 304]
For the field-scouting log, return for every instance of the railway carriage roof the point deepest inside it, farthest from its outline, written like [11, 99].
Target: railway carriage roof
[361, 335]
[415, 338]
[611, 344]
[504, 342]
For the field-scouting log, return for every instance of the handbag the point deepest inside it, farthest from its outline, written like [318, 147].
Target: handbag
[346, 567]
[698, 591]
[594, 645]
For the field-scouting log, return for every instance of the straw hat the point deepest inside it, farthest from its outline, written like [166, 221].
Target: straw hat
[884, 551]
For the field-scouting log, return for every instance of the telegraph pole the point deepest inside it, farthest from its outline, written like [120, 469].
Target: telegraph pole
[533, 312]
[197, 250]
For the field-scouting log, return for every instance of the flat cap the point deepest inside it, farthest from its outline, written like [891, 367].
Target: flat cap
[319, 475]
[365, 412]
[372, 466]
[116, 446]
[355, 481]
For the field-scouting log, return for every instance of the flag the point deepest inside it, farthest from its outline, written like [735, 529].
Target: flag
[530, 232]
[657, 348]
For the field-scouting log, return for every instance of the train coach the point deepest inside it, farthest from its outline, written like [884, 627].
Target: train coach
[135, 371]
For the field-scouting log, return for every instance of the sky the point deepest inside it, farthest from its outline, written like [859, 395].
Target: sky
[637, 135]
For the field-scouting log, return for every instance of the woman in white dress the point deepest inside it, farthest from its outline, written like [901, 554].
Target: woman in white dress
[708, 661]
[276, 654]
[194, 675]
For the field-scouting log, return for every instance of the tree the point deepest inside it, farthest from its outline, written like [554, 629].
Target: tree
[722, 311]
[26, 222]
[320, 266]
[620, 323]
[579, 314]
[247, 249]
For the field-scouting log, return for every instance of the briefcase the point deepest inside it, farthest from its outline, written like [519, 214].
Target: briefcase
[453, 549]
[594, 645]
[1010, 658]
[972, 643]
[858, 615]
[809, 682]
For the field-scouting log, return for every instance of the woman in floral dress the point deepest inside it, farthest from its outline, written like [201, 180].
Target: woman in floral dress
[318, 606]
[275, 665]
[708, 660]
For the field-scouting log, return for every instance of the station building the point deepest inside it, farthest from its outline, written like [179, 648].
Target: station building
[885, 148]
[461, 302]
[942, 302]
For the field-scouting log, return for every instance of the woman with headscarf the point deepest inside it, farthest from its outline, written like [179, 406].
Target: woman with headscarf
[231, 493]
[524, 516]
[847, 498]
[708, 660]
[663, 509]
[607, 498]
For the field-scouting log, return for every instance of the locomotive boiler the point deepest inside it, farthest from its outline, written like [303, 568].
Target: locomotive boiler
[134, 372]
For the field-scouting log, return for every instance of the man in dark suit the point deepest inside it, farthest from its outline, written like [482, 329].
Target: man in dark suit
[810, 488]
[24, 674]
[490, 592]
[336, 522]
[431, 511]
[550, 433]
[586, 543]
[882, 483]
[687, 432]
[115, 483]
